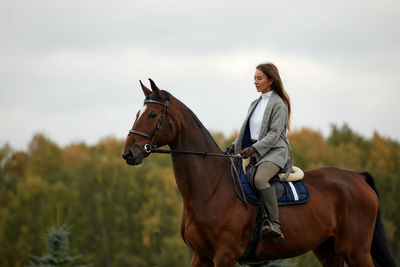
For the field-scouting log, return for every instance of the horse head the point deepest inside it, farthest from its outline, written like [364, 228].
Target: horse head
[153, 126]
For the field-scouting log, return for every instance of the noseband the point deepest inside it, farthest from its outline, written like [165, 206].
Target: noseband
[148, 147]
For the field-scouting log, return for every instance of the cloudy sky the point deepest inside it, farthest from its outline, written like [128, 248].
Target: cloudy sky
[70, 69]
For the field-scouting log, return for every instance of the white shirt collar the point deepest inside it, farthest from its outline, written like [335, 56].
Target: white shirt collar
[267, 95]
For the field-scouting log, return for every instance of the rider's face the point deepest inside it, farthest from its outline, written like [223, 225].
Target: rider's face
[262, 82]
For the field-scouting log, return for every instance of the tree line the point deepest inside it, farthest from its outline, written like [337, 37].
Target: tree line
[121, 215]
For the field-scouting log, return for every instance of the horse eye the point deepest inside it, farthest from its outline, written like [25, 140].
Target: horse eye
[152, 115]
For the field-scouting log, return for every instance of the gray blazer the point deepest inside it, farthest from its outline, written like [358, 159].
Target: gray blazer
[271, 145]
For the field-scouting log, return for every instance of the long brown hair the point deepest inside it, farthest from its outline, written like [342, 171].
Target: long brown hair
[272, 72]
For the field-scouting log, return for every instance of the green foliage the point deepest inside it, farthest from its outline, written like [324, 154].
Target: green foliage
[130, 216]
[57, 242]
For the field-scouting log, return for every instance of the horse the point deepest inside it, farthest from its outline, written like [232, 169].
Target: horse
[340, 223]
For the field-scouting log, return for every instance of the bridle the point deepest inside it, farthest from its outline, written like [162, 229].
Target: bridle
[148, 147]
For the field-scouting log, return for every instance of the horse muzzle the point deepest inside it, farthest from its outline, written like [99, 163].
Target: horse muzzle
[133, 157]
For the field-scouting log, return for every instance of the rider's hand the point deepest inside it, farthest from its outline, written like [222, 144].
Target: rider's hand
[247, 152]
[229, 149]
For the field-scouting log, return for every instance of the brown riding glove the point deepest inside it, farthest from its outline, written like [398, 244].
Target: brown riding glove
[247, 152]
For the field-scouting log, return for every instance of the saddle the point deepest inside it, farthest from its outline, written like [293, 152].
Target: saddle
[288, 191]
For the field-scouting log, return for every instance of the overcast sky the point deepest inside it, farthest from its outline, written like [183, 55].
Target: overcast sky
[70, 69]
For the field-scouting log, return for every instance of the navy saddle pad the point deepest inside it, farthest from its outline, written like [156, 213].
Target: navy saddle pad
[287, 193]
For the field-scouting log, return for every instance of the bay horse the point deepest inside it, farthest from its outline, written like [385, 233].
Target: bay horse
[340, 223]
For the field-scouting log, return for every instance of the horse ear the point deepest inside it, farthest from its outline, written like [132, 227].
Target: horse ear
[155, 89]
[146, 90]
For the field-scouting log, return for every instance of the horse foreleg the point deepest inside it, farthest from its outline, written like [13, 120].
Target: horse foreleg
[225, 258]
[327, 256]
[360, 260]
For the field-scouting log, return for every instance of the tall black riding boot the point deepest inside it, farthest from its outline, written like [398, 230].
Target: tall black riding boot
[270, 202]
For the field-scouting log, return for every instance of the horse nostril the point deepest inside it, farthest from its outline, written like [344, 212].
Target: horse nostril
[133, 157]
[128, 154]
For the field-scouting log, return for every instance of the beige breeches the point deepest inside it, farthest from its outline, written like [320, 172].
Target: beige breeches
[265, 171]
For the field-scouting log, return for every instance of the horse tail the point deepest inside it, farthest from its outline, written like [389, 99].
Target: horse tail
[379, 250]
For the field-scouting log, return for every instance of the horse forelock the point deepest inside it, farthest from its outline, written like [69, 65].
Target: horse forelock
[153, 96]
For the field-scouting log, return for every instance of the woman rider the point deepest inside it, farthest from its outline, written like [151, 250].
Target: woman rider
[263, 136]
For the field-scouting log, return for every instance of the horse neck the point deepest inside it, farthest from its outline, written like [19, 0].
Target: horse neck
[199, 178]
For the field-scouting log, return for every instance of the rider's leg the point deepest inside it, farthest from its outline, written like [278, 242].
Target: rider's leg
[265, 171]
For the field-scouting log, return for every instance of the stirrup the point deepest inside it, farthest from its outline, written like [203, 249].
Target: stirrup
[267, 232]
[267, 227]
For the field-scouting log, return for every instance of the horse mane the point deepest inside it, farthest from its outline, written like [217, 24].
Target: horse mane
[191, 113]
[200, 124]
